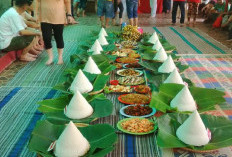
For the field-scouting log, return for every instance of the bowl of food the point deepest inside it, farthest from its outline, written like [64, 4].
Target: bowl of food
[129, 72]
[134, 98]
[143, 89]
[137, 111]
[136, 126]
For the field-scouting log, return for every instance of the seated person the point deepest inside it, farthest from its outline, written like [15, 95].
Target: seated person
[203, 6]
[14, 34]
[215, 11]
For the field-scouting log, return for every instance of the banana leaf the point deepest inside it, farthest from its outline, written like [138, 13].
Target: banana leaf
[166, 45]
[53, 109]
[220, 127]
[206, 99]
[153, 66]
[102, 60]
[101, 137]
[158, 79]
[150, 54]
[98, 82]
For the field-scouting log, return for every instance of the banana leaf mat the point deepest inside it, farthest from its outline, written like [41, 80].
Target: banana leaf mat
[128, 145]
[192, 41]
[18, 116]
[209, 71]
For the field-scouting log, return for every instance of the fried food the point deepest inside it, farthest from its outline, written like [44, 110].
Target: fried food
[138, 110]
[131, 80]
[137, 125]
[129, 72]
[135, 98]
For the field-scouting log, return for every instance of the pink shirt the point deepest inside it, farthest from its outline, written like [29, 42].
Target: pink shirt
[52, 11]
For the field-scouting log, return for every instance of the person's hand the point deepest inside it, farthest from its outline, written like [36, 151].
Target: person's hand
[230, 19]
[71, 20]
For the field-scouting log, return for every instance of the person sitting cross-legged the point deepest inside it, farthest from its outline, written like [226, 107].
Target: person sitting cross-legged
[14, 34]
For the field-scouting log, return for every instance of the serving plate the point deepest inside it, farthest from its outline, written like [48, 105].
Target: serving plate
[144, 116]
[129, 103]
[134, 133]
[122, 79]
[133, 60]
[139, 72]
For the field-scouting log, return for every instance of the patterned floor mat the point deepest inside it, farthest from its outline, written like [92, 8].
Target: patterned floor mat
[18, 116]
[37, 74]
[190, 41]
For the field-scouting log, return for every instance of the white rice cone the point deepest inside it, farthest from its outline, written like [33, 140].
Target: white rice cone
[184, 101]
[71, 143]
[154, 38]
[103, 32]
[78, 107]
[81, 83]
[157, 46]
[96, 52]
[174, 77]
[91, 67]
[96, 46]
[161, 55]
[193, 131]
[167, 66]
[102, 40]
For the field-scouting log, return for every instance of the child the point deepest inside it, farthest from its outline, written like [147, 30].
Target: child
[105, 8]
[192, 10]
[132, 11]
[118, 4]
[76, 3]
[81, 7]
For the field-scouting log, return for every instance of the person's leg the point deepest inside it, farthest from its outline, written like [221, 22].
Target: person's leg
[109, 12]
[100, 11]
[120, 5]
[195, 11]
[129, 12]
[84, 7]
[174, 10]
[182, 9]
[58, 35]
[190, 9]
[47, 37]
[75, 8]
[153, 6]
[168, 6]
[115, 12]
[135, 13]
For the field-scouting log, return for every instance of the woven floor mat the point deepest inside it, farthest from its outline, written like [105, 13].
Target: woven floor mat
[149, 30]
[82, 31]
[128, 145]
[37, 74]
[189, 41]
[18, 116]
[211, 72]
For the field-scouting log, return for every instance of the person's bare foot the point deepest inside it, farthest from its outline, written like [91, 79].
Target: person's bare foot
[60, 61]
[27, 57]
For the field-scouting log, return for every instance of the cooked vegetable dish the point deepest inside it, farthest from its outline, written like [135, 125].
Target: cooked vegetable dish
[131, 80]
[138, 110]
[137, 125]
[135, 98]
[129, 72]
